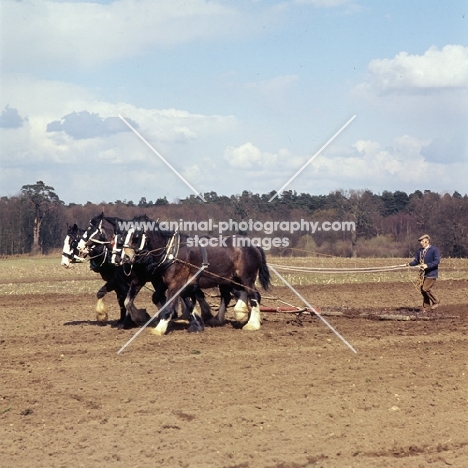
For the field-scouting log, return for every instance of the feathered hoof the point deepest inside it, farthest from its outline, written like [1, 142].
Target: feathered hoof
[251, 326]
[196, 327]
[214, 322]
[241, 316]
[161, 328]
[101, 311]
[101, 316]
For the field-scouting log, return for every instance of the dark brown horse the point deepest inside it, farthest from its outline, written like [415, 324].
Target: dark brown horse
[175, 258]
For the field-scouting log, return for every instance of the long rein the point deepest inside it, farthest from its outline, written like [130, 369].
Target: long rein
[158, 251]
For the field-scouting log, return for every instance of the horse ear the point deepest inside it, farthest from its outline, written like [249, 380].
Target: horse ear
[102, 215]
[75, 228]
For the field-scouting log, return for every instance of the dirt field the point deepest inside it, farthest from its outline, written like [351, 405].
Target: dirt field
[291, 395]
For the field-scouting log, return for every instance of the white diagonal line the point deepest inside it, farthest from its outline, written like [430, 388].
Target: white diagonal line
[312, 309]
[198, 194]
[278, 192]
[162, 308]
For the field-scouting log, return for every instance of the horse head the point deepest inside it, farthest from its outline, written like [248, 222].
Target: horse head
[96, 240]
[70, 252]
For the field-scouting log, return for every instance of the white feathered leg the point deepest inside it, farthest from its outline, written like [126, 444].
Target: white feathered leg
[255, 319]
[101, 311]
[241, 309]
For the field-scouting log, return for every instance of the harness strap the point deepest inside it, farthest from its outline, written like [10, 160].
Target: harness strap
[143, 242]
[170, 253]
[129, 237]
[172, 250]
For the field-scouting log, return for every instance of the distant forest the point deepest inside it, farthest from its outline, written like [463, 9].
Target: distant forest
[387, 224]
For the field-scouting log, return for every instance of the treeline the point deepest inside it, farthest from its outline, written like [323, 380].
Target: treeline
[387, 224]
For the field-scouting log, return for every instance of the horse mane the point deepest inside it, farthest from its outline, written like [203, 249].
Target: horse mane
[115, 221]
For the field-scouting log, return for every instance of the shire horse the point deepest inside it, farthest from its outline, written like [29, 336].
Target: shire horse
[167, 257]
[129, 279]
[114, 276]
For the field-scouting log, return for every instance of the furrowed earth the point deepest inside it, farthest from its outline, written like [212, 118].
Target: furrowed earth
[290, 395]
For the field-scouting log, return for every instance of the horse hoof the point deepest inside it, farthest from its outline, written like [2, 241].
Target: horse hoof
[127, 325]
[213, 322]
[251, 327]
[195, 328]
[101, 311]
[155, 331]
[101, 316]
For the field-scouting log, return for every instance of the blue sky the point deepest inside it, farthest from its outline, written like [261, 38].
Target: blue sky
[235, 95]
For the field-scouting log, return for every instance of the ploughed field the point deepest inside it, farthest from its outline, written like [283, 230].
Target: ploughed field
[290, 395]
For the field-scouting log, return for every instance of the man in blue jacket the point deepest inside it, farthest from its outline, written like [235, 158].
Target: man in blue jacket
[428, 259]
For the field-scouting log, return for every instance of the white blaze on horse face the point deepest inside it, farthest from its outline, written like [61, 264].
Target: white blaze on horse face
[66, 250]
[82, 247]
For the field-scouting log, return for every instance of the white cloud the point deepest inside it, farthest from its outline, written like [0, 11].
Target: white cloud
[88, 33]
[435, 69]
[372, 164]
[248, 156]
[425, 95]
[84, 140]
[54, 111]
[366, 146]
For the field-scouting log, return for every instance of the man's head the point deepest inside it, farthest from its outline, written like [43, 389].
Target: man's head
[425, 240]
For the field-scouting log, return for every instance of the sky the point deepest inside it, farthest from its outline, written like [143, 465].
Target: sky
[233, 96]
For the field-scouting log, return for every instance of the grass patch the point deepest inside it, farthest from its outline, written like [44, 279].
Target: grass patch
[43, 274]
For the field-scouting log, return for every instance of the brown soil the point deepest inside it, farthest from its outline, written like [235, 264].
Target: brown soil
[291, 395]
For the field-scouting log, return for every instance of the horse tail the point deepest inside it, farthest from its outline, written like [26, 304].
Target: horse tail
[264, 272]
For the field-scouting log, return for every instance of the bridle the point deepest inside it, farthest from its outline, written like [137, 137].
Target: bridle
[85, 245]
[86, 241]
[104, 255]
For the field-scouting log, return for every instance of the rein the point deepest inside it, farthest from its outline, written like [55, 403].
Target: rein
[339, 270]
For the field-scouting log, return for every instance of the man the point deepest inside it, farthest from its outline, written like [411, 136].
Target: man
[428, 259]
